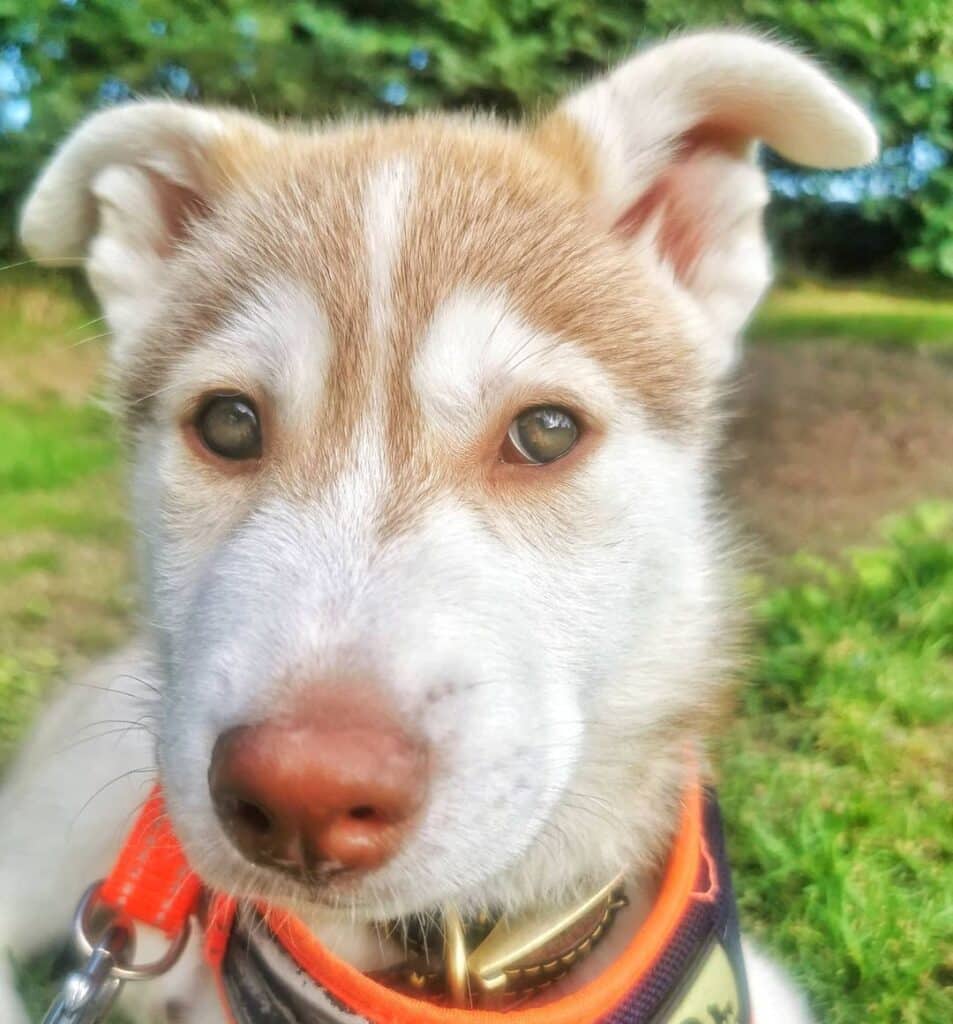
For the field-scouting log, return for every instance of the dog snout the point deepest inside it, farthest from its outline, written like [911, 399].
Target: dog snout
[337, 790]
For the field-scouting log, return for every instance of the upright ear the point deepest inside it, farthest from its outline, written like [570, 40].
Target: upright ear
[672, 137]
[125, 187]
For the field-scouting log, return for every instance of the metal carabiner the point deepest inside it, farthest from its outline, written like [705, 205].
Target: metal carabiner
[89, 992]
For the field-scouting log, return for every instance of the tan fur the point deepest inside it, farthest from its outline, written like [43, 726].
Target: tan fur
[490, 208]
[561, 139]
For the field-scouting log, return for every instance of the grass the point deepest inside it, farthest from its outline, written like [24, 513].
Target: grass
[835, 783]
[875, 315]
[836, 778]
[63, 576]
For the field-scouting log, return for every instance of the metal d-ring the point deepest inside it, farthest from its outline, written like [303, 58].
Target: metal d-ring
[82, 929]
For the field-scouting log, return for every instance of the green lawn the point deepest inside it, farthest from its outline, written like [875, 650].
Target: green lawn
[63, 590]
[889, 315]
[835, 781]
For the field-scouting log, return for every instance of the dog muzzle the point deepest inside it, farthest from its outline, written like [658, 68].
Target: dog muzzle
[683, 966]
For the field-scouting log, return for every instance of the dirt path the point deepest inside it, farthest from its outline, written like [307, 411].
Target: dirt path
[830, 438]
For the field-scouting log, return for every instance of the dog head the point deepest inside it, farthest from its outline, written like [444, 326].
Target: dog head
[421, 414]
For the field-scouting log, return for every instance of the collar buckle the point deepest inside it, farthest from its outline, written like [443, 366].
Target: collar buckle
[515, 957]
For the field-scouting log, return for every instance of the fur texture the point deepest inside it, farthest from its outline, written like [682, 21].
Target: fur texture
[392, 295]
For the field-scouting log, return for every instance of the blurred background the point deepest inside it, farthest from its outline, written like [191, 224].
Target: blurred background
[62, 58]
[838, 458]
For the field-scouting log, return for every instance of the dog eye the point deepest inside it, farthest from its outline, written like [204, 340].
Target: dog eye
[540, 435]
[228, 426]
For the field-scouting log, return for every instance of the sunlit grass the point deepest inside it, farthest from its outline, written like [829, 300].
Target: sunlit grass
[48, 444]
[837, 786]
[63, 591]
[874, 314]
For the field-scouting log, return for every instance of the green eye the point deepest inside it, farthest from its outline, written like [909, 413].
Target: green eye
[542, 435]
[228, 426]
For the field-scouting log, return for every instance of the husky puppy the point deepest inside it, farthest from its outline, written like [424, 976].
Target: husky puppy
[420, 417]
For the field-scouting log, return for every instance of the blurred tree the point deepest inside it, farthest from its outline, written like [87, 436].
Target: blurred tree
[897, 58]
[61, 58]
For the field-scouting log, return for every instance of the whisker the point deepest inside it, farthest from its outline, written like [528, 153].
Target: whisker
[36, 262]
[107, 785]
[88, 323]
[143, 682]
[100, 736]
[107, 689]
[84, 341]
[154, 394]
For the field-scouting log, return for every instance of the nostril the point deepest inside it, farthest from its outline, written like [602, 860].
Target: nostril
[250, 816]
[295, 795]
[363, 812]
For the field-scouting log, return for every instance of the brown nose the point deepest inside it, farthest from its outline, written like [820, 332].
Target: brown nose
[312, 796]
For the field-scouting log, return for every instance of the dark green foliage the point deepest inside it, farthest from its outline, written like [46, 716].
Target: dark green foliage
[898, 59]
[313, 59]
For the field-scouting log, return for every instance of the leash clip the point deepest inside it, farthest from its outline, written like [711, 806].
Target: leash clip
[89, 991]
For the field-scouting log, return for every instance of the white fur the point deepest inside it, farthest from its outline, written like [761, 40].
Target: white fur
[507, 645]
[544, 650]
[99, 200]
[740, 89]
[773, 994]
[124, 261]
[277, 342]
[478, 352]
[638, 113]
[166, 138]
[387, 194]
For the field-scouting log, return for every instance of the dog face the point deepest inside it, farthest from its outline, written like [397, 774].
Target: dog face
[474, 368]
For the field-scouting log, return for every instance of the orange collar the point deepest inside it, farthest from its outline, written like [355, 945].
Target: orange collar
[153, 884]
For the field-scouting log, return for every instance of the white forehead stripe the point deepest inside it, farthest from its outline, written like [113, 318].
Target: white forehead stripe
[478, 350]
[357, 491]
[388, 194]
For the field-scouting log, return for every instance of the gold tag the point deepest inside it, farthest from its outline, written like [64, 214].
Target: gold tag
[712, 996]
[514, 940]
[497, 967]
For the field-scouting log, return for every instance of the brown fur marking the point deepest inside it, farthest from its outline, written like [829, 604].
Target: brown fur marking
[491, 207]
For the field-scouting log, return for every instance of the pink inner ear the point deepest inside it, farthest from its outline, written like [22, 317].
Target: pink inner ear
[691, 202]
[178, 206]
[680, 227]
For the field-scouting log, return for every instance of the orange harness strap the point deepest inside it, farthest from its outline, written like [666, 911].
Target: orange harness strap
[152, 881]
[363, 996]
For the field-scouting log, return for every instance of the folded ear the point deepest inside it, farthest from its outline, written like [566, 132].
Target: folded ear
[671, 134]
[125, 187]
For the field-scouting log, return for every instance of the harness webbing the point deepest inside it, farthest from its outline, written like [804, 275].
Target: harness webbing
[684, 963]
